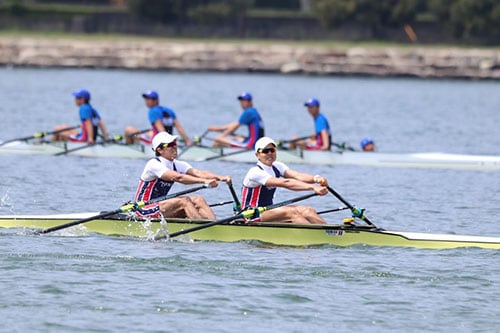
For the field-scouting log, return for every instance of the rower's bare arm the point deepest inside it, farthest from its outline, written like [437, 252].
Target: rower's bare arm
[305, 177]
[231, 128]
[159, 126]
[182, 132]
[104, 131]
[325, 138]
[291, 184]
[90, 130]
[208, 174]
[187, 179]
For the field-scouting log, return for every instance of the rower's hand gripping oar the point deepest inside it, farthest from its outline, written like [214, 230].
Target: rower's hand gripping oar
[248, 213]
[356, 211]
[280, 143]
[123, 209]
[40, 135]
[120, 137]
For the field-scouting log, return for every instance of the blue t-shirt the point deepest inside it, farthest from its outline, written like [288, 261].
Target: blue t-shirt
[320, 123]
[166, 115]
[88, 112]
[251, 118]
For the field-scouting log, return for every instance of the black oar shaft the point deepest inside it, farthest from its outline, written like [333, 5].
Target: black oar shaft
[351, 207]
[332, 210]
[206, 225]
[39, 135]
[235, 197]
[112, 140]
[222, 203]
[71, 224]
[239, 151]
[122, 209]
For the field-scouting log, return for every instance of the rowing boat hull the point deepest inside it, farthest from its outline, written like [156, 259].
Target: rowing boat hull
[113, 150]
[272, 233]
[373, 159]
[202, 153]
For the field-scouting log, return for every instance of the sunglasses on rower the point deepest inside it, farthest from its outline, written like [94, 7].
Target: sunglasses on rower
[267, 150]
[169, 145]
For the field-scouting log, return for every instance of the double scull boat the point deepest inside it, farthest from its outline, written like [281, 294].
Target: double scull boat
[204, 153]
[344, 234]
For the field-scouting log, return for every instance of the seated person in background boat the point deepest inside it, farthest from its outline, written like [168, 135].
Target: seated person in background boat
[261, 181]
[250, 117]
[367, 144]
[161, 172]
[91, 122]
[161, 118]
[321, 140]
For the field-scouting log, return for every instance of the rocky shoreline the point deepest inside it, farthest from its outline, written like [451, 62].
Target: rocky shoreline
[424, 62]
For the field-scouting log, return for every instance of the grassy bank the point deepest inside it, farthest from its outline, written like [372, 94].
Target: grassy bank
[327, 44]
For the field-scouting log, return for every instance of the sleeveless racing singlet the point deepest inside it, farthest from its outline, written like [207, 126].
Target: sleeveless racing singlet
[149, 190]
[259, 196]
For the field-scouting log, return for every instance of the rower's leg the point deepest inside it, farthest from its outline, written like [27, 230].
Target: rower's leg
[202, 208]
[310, 215]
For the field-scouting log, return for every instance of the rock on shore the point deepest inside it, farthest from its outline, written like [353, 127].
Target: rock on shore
[425, 62]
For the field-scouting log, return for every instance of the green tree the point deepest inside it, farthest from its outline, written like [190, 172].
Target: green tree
[470, 18]
[332, 13]
[157, 10]
[406, 11]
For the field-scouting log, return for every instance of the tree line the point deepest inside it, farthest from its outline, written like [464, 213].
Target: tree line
[464, 19]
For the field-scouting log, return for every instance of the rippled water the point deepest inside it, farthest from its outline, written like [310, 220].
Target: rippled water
[93, 283]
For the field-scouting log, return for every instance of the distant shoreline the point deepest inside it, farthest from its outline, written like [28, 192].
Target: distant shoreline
[251, 56]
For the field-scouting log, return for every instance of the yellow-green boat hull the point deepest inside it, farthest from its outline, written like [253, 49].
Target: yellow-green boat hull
[273, 233]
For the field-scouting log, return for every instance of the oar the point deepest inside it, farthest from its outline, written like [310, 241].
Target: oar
[332, 210]
[123, 209]
[281, 142]
[120, 137]
[237, 203]
[196, 142]
[356, 211]
[114, 139]
[240, 151]
[343, 145]
[221, 203]
[248, 213]
[39, 135]
[197, 139]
